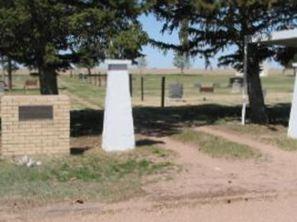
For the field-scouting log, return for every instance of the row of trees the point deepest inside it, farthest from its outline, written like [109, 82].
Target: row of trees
[49, 35]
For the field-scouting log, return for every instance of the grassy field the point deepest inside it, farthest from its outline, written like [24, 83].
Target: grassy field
[271, 134]
[278, 89]
[215, 146]
[92, 176]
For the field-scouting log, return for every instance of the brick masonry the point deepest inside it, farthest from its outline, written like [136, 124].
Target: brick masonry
[35, 137]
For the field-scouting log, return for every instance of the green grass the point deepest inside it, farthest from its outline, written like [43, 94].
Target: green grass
[93, 176]
[215, 146]
[278, 88]
[278, 83]
[84, 90]
[152, 83]
[285, 143]
[274, 135]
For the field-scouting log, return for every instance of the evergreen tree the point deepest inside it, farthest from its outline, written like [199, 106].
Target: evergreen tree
[49, 35]
[215, 25]
[88, 58]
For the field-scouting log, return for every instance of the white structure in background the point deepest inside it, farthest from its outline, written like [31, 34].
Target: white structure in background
[284, 38]
[264, 69]
[118, 129]
[292, 132]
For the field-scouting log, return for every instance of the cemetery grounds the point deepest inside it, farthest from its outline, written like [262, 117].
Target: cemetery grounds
[193, 159]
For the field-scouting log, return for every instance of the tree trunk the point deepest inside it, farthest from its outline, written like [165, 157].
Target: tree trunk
[9, 71]
[3, 69]
[48, 81]
[89, 71]
[257, 105]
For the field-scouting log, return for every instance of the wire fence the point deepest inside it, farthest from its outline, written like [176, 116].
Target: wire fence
[166, 90]
[174, 90]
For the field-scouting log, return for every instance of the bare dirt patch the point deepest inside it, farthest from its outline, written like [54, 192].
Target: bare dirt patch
[206, 188]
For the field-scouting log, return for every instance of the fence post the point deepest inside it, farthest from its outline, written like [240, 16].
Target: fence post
[131, 84]
[96, 80]
[163, 92]
[142, 88]
[99, 78]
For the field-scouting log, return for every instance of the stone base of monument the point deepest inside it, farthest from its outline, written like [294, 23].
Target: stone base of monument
[118, 129]
[35, 125]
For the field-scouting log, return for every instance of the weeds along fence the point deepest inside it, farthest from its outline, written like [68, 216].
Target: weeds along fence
[174, 90]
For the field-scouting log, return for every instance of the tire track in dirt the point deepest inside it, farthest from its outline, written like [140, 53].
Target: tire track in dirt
[244, 140]
[203, 175]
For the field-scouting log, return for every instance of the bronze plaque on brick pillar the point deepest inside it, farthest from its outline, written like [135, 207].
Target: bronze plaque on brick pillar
[27, 113]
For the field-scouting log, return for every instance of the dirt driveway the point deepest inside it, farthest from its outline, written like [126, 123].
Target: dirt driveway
[207, 189]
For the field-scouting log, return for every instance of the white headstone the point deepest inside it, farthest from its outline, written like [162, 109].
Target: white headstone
[118, 129]
[2, 87]
[264, 69]
[292, 131]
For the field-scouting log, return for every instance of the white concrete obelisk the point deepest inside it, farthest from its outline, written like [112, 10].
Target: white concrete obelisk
[292, 131]
[118, 129]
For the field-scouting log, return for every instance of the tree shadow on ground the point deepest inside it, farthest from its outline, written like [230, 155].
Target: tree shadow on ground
[147, 142]
[155, 121]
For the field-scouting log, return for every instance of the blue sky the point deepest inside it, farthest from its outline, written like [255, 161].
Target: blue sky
[155, 57]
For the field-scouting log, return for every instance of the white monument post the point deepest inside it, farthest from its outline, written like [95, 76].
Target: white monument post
[292, 131]
[284, 38]
[118, 129]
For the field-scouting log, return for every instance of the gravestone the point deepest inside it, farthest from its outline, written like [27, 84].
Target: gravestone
[80, 76]
[237, 86]
[176, 91]
[207, 89]
[216, 85]
[236, 79]
[197, 85]
[2, 87]
[31, 84]
[118, 128]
